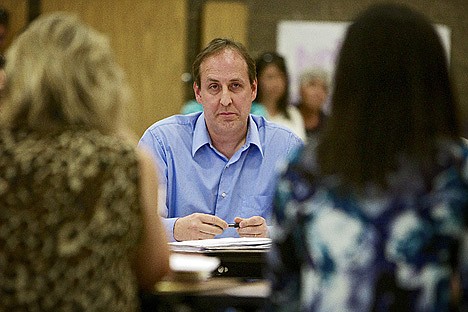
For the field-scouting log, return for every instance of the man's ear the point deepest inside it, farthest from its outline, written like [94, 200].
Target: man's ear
[196, 90]
[254, 89]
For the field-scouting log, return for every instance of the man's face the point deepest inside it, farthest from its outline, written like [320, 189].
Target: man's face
[225, 93]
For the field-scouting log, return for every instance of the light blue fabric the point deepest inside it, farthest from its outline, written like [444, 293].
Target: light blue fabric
[197, 178]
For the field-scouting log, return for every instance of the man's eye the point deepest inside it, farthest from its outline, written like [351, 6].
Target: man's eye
[235, 86]
[213, 87]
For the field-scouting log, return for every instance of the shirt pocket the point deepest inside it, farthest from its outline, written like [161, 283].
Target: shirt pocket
[256, 205]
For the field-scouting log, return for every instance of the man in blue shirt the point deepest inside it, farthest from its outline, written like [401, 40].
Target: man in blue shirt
[219, 165]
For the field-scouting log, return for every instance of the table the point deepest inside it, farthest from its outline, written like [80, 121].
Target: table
[213, 295]
[247, 264]
[238, 284]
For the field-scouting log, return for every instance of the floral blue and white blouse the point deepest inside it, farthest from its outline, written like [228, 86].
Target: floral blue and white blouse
[393, 250]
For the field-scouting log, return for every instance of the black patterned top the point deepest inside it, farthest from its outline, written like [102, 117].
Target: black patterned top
[397, 249]
[69, 222]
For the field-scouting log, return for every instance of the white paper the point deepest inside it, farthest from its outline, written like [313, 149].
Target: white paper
[193, 263]
[220, 244]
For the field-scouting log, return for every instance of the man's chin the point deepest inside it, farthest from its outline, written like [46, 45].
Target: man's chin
[231, 125]
[227, 118]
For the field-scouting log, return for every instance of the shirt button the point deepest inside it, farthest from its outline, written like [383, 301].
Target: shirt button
[223, 195]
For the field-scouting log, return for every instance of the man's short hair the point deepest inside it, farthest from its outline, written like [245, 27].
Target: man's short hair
[217, 45]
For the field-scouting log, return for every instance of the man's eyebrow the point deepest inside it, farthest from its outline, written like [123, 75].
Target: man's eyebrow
[233, 80]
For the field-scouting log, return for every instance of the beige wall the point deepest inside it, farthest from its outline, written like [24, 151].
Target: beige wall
[18, 10]
[149, 39]
[224, 19]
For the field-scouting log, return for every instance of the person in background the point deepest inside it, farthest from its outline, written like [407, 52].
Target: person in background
[273, 92]
[314, 85]
[218, 166]
[79, 228]
[192, 106]
[373, 218]
[4, 25]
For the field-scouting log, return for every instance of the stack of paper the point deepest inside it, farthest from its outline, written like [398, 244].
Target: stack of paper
[192, 268]
[222, 244]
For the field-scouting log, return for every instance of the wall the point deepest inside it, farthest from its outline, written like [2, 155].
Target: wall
[156, 41]
[148, 38]
[18, 10]
[208, 20]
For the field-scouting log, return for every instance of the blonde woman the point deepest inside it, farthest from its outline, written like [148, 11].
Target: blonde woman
[79, 230]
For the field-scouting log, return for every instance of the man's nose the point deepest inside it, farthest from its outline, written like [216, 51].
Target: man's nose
[226, 98]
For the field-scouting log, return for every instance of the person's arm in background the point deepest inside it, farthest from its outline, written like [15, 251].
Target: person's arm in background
[152, 259]
[149, 143]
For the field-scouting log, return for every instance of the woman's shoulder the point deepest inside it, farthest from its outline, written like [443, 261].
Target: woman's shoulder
[294, 110]
[83, 146]
[454, 153]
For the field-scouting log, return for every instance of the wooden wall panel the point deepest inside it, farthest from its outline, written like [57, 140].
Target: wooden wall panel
[224, 19]
[149, 40]
[18, 10]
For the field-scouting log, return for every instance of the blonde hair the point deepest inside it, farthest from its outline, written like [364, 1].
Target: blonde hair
[62, 73]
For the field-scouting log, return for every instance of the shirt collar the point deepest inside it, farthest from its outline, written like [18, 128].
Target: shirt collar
[201, 136]
[253, 135]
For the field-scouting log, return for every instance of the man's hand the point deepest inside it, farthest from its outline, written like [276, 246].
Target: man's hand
[198, 226]
[252, 227]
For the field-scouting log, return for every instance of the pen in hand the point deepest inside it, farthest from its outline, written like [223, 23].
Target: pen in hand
[234, 225]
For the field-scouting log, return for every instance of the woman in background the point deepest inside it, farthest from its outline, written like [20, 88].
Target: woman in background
[373, 219]
[273, 93]
[314, 86]
[79, 229]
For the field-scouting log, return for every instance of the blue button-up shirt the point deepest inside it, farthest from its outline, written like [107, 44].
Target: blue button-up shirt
[195, 177]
